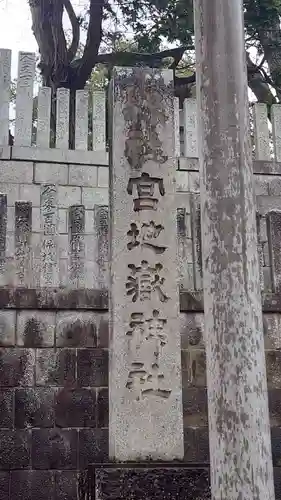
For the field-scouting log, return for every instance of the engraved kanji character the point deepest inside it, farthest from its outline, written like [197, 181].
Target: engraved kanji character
[149, 232]
[145, 236]
[147, 383]
[155, 331]
[144, 281]
[143, 111]
[133, 234]
[136, 333]
[145, 186]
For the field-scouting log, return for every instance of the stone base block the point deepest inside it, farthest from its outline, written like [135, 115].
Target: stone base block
[149, 481]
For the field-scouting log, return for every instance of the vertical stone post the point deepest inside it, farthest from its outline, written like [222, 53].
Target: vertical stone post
[77, 245]
[145, 409]
[240, 449]
[101, 230]
[49, 273]
[23, 228]
[3, 237]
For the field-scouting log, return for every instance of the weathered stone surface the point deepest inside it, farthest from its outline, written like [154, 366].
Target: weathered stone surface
[50, 173]
[53, 298]
[277, 482]
[274, 218]
[274, 401]
[97, 300]
[276, 446]
[75, 408]
[34, 407]
[92, 367]
[145, 415]
[239, 430]
[103, 332]
[191, 301]
[16, 367]
[49, 272]
[93, 446]
[196, 445]
[273, 369]
[66, 485]
[56, 367]
[94, 196]
[271, 302]
[30, 192]
[77, 329]
[15, 449]
[5, 485]
[272, 330]
[195, 408]
[194, 368]
[83, 175]
[151, 483]
[102, 251]
[192, 330]
[16, 172]
[6, 409]
[7, 328]
[54, 449]
[23, 228]
[185, 245]
[103, 180]
[76, 221]
[102, 408]
[3, 232]
[68, 195]
[32, 485]
[35, 329]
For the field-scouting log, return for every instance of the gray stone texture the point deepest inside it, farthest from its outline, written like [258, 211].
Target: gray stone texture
[94, 181]
[145, 407]
[35, 329]
[79, 329]
[25, 409]
[239, 427]
[69, 327]
[150, 483]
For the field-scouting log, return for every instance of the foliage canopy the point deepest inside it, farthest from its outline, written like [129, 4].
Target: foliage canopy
[134, 32]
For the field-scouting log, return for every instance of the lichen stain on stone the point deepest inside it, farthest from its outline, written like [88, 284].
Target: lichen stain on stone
[76, 332]
[146, 99]
[33, 333]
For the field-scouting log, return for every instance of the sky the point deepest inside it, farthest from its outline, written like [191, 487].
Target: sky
[15, 28]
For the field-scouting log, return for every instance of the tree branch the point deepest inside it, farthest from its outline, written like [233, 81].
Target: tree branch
[133, 58]
[71, 53]
[42, 31]
[258, 84]
[94, 36]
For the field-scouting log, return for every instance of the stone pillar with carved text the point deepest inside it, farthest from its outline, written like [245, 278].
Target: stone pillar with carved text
[145, 414]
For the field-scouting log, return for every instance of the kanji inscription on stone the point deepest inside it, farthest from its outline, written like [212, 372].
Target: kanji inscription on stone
[147, 333]
[145, 417]
[146, 235]
[144, 281]
[147, 383]
[145, 187]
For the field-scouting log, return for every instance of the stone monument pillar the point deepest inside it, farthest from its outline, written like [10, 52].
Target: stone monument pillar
[145, 419]
[240, 448]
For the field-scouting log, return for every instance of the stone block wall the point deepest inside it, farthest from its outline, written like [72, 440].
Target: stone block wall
[50, 223]
[54, 400]
[54, 332]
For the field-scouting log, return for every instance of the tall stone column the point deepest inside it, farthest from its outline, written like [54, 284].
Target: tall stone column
[145, 409]
[240, 449]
